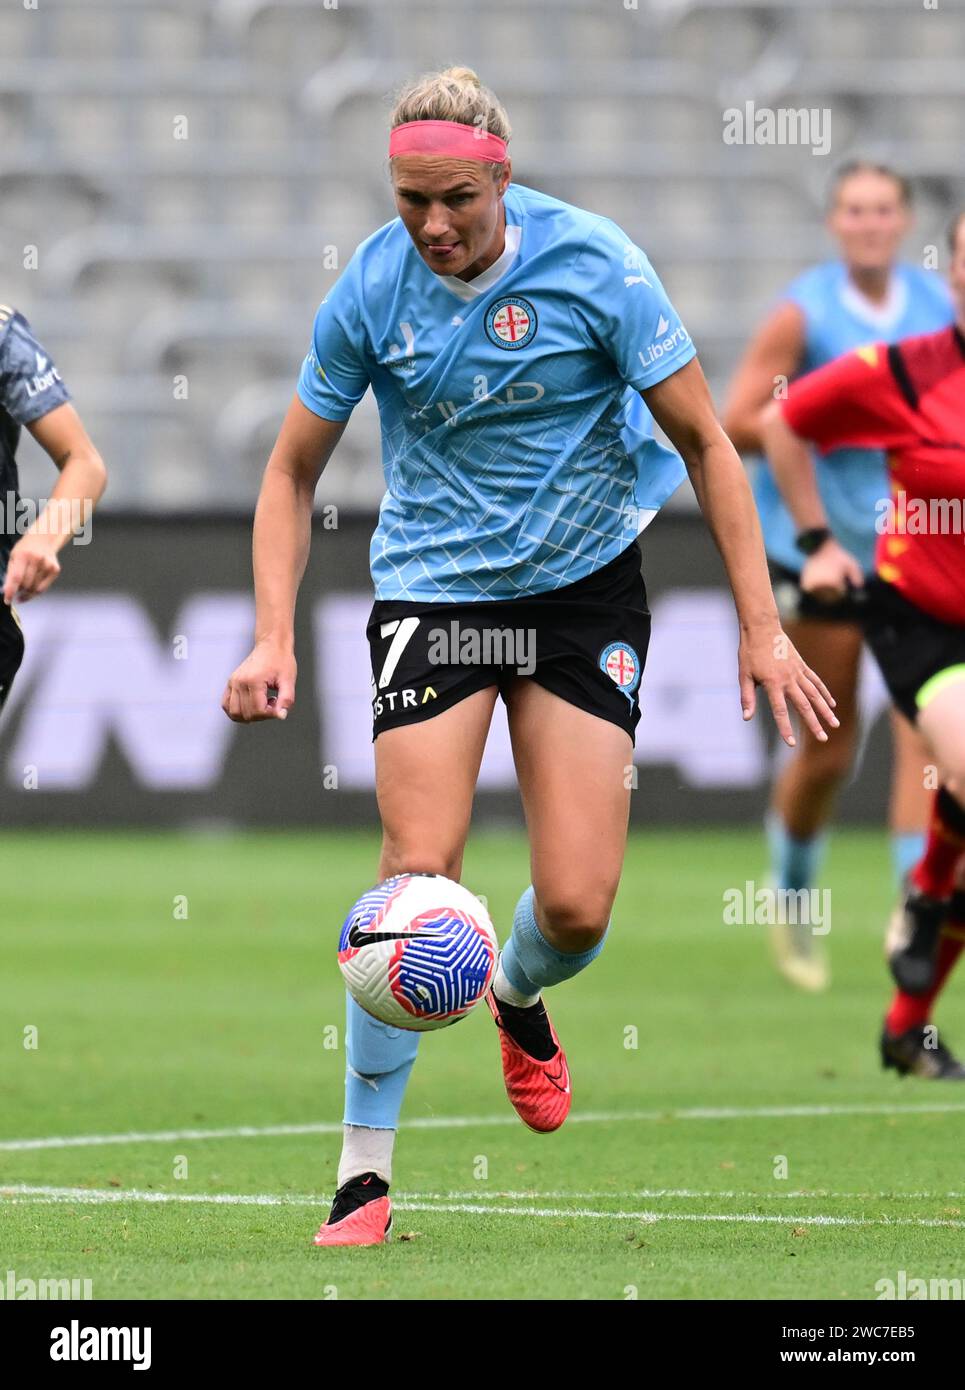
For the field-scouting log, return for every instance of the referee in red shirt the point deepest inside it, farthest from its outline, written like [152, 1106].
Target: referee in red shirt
[909, 399]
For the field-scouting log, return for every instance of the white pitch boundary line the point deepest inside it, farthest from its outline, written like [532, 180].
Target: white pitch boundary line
[648, 1193]
[100, 1196]
[777, 1112]
[653, 1193]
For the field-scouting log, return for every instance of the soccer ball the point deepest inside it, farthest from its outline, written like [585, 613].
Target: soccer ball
[418, 951]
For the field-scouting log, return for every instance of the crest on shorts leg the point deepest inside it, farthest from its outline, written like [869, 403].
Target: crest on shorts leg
[622, 665]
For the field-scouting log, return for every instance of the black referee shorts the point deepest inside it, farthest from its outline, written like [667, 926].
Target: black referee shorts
[586, 642]
[909, 645]
[794, 603]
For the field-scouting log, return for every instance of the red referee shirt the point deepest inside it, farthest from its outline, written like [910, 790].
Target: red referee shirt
[908, 399]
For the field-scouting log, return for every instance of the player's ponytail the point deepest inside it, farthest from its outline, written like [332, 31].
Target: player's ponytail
[454, 94]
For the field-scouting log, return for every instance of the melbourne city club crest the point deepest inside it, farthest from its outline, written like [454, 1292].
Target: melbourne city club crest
[622, 665]
[511, 322]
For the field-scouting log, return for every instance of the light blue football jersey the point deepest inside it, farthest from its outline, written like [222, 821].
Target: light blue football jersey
[518, 455]
[837, 320]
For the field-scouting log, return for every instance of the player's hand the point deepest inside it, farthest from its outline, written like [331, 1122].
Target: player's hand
[767, 657]
[828, 573]
[33, 566]
[263, 686]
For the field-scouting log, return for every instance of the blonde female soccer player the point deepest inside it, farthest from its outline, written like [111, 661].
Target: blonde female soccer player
[508, 338]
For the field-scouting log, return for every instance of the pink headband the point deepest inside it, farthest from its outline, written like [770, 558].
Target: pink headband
[447, 137]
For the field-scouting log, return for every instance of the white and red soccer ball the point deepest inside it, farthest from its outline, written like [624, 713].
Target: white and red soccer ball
[418, 951]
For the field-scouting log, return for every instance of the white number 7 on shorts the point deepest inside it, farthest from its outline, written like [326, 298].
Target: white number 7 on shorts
[403, 629]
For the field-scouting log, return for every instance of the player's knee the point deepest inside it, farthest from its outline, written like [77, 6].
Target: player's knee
[826, 764]
[576, 919]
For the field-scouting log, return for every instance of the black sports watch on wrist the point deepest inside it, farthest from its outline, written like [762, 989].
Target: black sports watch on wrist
[810, 541]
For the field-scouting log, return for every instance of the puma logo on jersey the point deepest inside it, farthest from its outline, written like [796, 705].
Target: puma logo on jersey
[633, 260]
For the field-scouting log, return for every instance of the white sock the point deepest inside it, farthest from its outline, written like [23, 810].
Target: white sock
[365, 1150]
[503, 990]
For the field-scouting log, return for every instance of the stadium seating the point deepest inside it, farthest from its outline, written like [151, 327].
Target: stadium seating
[184, 167]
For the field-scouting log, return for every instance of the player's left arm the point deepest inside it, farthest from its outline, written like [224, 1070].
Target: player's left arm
[681, 405]
[33, 565]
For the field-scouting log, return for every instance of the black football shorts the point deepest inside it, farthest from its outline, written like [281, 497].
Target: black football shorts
[793, 602]
[586, 642]
[909, 645]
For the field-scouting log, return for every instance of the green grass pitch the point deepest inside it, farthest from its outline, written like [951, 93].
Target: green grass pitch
[665, 1182]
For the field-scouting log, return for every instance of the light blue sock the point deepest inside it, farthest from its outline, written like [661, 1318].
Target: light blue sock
[907, 847]
[378, 1060]
[530, 963]
[794, 863]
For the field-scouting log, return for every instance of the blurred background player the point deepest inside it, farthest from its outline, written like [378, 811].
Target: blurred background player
[516, 505]
[909, 399]
[32, 394]
[867, 294]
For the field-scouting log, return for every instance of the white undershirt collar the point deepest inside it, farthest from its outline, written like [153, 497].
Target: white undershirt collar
[881, 316]
[479, 284]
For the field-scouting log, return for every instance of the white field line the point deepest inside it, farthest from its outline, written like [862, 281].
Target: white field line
[100, 1196]
[672, 1193]
[777, 1112]
[473, 1195]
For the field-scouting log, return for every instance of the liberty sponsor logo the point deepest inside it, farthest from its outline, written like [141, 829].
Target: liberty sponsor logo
[511, 323]
[76, 1343]
[664, 342]
[45, 377]
[13, 1289]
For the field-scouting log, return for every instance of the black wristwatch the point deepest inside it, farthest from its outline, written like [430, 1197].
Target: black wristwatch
[810, 541]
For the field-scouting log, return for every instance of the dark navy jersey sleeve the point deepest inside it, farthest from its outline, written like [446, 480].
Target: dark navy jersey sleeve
[30, 384]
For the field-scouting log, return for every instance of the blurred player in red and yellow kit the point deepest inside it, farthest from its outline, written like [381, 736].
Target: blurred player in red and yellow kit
[908, 398]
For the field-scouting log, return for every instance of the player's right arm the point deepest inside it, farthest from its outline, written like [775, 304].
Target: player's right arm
[774, 353]
[282, 537]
